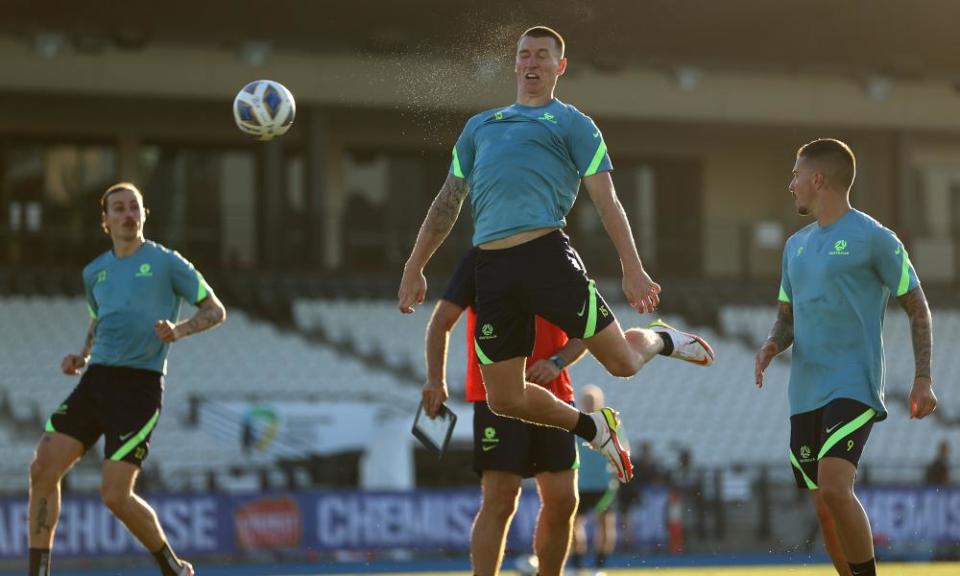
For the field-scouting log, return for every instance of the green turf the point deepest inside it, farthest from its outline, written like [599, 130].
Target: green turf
[938, 569]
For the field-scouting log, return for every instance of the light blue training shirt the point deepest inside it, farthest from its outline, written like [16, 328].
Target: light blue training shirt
[126, 296]
[838, 279]
[524, 164]
[595, 471]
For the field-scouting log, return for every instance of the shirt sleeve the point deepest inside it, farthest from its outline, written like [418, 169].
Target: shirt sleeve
[187, 281]
[587, 148]
[464, 152]
[462, 288]
[92, 308]
[786, 290]
[891, 262]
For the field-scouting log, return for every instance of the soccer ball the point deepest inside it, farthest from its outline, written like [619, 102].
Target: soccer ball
[265, 109]
[527, 565]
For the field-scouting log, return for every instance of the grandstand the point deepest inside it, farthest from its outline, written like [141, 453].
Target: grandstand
[385, 366]
[347, 351]
[662, 403]
[245, 359]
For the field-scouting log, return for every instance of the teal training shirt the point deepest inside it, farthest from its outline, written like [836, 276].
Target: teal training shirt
[126, 296]
[595, 471]
[838, 279]
[524, 166]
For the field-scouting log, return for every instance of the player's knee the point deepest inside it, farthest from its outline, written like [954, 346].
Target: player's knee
[834, 494]
[43, 477]
[623, 367]
[500, 506]
[114, 498]
[510, 406]
[560, 507]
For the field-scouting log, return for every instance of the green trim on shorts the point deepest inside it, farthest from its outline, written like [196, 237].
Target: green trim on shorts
[49, 426]
[137, 439]
[576, 457]
[591, 328]
[846, 430]
[480, 355]
[606, 500]
[810, 483]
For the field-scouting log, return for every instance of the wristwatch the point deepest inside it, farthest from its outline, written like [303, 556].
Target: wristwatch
[558, 361]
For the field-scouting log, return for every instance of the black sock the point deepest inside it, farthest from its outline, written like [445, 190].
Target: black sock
[168, 561]
[868, 568]
[576, 560]
[667, 343]
[39, 562]
[601, 559]
[586, 428]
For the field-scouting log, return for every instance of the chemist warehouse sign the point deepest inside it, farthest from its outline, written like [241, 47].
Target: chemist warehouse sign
[322, 520]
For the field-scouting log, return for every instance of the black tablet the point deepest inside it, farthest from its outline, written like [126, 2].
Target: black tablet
[434, 433]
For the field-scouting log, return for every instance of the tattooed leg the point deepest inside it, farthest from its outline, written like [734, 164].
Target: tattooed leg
[56, 453]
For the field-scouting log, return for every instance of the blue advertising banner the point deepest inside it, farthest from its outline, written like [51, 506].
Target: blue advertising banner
[193, 523]
[199, 524]
[911, 515]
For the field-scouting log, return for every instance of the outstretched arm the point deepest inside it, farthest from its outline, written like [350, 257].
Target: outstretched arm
[643, 294]
[922, 399]
[73, 363]
[440, 219]
[781, 338]
[210, 313]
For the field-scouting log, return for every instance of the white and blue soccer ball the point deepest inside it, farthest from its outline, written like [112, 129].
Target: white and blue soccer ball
[527, 565]
[265, 109]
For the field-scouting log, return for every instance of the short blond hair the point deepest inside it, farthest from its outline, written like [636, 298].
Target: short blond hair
[545, 32]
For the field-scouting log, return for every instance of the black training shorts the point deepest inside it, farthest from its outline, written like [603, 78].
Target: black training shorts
[120, 403]
[840, 430]
[510, 445]
[596, 501]
[543, 277]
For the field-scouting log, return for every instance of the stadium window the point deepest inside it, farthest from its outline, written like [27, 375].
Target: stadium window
[203, 202]
[48, 201]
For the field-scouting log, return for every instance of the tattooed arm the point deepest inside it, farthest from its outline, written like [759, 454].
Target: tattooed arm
[781, 338]
[914, 303]
[922, 399]
[210, 313]
[440, 219]
[782, 333]
[73, 363]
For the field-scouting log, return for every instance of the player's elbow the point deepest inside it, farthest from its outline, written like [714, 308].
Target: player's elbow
[218, 314]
